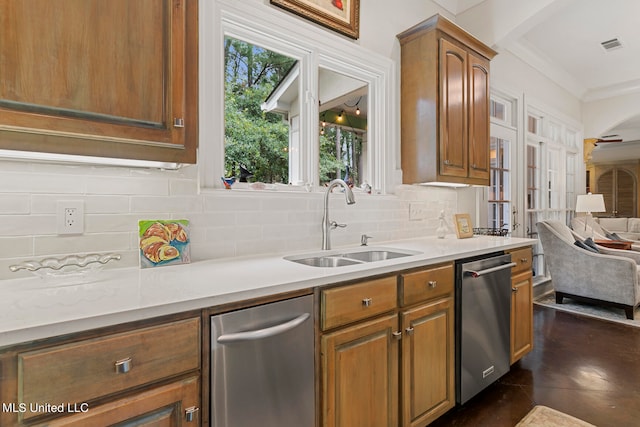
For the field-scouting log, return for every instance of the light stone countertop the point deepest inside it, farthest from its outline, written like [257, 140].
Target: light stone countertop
[34, 308]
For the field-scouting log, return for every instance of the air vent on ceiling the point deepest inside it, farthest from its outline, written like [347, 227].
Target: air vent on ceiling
[611, 44]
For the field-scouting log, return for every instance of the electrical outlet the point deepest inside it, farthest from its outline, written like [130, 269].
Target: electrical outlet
[418, 211]
[70, 217]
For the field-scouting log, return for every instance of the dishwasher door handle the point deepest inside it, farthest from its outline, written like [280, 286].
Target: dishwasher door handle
[263, 333]
[475, 274]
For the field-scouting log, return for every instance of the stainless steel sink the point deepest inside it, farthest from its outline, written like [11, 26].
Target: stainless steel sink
[375, 255]
[326, 261]
[351, 257]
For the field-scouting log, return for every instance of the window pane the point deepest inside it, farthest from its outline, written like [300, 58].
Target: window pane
[532, 177]
[343, 127]
[499, 189]
[533, 125]
[498, 110]
[261, 99]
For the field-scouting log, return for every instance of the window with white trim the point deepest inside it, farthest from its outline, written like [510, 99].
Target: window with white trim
[500, 203]
[324, 64]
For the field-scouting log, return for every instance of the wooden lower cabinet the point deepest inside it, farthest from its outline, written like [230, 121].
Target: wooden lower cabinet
[171, 405]
[391, 369]
[360, 375]
[521, 303]
[428, 362]
[142, 374]
[521, 315]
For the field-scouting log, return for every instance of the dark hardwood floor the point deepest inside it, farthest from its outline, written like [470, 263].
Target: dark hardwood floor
[585, 367]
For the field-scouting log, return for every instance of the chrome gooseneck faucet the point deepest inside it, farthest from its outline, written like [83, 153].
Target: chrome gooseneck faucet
[327, 224]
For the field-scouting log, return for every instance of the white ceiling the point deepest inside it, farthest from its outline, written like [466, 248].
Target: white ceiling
[562, 39]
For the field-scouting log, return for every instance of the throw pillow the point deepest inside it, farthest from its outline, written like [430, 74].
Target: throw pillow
[581, 244]
[589, 242]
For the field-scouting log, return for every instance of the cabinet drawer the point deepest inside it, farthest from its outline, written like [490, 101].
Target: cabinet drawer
[426, 284]
[350, 303]
[86, 370]
[522, 257]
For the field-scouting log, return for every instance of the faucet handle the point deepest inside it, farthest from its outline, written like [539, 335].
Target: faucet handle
[364, 239]
[335, 225]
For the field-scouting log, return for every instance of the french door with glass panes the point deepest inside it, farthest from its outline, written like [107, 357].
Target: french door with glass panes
[500, 201]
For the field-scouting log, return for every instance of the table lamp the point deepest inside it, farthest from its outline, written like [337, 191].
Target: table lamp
[590, 203]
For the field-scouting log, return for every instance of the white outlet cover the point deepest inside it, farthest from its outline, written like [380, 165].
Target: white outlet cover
[70, 217]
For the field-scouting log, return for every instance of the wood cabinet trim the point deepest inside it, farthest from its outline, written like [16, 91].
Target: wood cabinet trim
[444, 27]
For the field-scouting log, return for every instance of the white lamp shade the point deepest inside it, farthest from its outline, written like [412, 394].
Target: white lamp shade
[590, 203]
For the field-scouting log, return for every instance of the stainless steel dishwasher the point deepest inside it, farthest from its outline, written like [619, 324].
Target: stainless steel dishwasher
[483, 314]
[262, 366]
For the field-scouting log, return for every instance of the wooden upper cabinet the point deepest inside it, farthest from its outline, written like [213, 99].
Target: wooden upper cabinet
[444, 104]
[113, 78]
[454, 142]
[479, 136]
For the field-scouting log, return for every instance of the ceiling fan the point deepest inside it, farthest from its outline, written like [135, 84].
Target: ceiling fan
[608, 138]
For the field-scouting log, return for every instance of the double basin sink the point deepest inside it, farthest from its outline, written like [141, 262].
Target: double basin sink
[350, 257]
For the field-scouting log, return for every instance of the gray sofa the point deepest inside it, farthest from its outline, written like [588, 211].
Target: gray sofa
[609, 276]
[608, 229]
[627, 228]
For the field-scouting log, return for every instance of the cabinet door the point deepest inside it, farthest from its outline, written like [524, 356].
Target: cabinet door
[113, 78]
[428, 362]
[452, 120]
[521, 315]
[360, 375]
[171, 405]
[479, 162]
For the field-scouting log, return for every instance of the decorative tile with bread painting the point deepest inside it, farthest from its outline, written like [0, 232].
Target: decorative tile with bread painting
[164, 242]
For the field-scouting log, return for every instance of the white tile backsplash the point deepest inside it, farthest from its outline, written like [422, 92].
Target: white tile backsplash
[15, 204]
[224, 223]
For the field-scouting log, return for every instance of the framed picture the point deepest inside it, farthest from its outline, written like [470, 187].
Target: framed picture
[163, 242]
[464, 228]
[342, 16]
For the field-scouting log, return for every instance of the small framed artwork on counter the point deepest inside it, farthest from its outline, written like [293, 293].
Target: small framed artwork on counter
[464, 228]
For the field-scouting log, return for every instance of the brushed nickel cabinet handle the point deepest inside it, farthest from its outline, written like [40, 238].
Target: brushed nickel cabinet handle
[397, 335]
[367, 302]
[123, 366]
[409, 330]
[433, 283]
[514, 289]
[524, 260]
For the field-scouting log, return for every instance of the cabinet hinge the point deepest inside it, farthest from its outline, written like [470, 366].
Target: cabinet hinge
[190, 413]
[178, 122]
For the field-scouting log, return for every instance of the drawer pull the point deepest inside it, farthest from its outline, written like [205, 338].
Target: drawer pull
[123, 366]
[190, 414]
[524, 260]
[432, 283]
[409, 330]
[367, 302]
